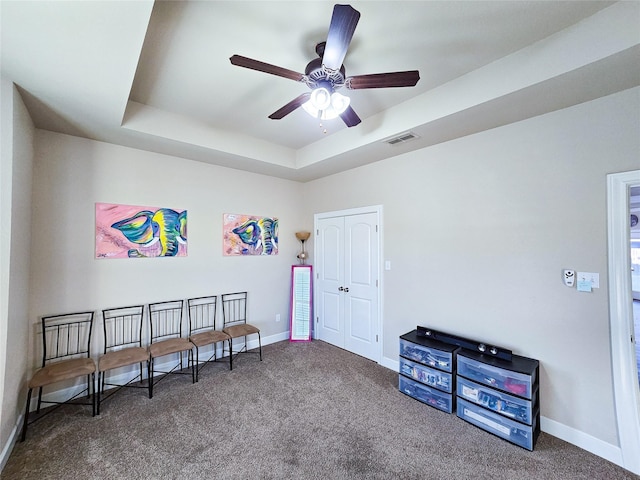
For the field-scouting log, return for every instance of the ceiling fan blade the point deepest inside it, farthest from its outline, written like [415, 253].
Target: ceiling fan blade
[245, 62]
[383, 80]
[290, 107]
[343, 24]
[350, 117]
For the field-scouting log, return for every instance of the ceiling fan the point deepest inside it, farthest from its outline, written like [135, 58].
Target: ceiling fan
[326, 74]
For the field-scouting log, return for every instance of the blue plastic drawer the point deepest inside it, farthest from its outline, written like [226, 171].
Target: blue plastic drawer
[517, 433]
[495, 377]
[426, 356]
[429, 376]
[503, 403]
[428, 395]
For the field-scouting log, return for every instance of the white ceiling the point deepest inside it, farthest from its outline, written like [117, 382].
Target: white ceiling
[157, 76]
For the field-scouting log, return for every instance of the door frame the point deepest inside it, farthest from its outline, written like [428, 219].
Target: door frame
[625, 375]
[377, 209]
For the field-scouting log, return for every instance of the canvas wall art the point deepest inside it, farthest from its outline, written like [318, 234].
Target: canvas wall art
[249, 235]
[128, 231]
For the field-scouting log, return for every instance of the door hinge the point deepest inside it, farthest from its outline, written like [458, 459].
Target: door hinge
[376, 338]
[376, 283]
[376, 228]
[318, 232]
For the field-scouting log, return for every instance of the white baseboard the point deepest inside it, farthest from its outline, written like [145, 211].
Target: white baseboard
[580, 439]
[11, 441]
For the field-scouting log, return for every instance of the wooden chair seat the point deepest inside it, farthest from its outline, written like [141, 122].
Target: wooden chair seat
[208, 338]
[236, 331]
[64, 370]
[122, 358]
[167, 347]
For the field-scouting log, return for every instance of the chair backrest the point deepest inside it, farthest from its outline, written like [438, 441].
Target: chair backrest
[165, 320]
[234, 308]
[202, 313]
[66, 336]
[122, 327]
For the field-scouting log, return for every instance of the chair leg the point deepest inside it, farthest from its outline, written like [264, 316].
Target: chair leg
[150, 374]
[93, 397]
[100, 389]
[260, 344]
[39, 400]
[26, 416]
[194, 361]
[230, 353]
[193, 370]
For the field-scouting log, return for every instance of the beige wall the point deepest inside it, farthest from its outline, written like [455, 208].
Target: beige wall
[478, 230]
[72, 174]
[15, 211]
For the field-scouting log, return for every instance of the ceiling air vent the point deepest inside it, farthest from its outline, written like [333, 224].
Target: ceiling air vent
[402, 138]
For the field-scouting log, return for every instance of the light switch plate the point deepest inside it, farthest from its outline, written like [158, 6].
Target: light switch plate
[593, 278]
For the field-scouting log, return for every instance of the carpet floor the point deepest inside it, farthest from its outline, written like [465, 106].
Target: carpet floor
[307, 411]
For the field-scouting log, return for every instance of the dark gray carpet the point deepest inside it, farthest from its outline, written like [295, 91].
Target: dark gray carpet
[307, 411]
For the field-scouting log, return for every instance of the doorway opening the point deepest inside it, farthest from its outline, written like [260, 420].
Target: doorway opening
[634, 229]
[621, 318]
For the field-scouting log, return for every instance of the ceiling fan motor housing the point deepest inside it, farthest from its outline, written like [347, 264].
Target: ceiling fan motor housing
[317, 74]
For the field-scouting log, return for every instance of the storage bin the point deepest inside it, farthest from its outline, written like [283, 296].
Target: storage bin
[522, 435]
[508, 381]
[430, 396]
[507, 405]
[430, 376]
[426, 355]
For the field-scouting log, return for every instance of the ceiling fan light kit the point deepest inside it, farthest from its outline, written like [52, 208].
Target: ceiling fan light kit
[326, 74]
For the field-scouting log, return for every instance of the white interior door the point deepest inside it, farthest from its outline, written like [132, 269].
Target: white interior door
[347, 285]
[329, 278]
[361, 284]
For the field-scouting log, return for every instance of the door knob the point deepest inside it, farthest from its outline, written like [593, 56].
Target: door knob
[340, 289]
[346, 289]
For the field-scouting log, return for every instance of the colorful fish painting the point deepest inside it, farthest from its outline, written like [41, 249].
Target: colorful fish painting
[250, 235]
[125, 231]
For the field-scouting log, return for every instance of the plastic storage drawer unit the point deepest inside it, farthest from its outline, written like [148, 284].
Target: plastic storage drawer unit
[515, 432]
[425, 394]
[508, 405]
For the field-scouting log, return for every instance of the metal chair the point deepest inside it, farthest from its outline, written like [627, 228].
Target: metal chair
[202, 328]
[234, 314]
[66, 341]
[122, 347]
[165, 321]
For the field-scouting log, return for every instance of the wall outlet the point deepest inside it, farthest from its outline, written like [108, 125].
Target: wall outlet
[277, 317]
